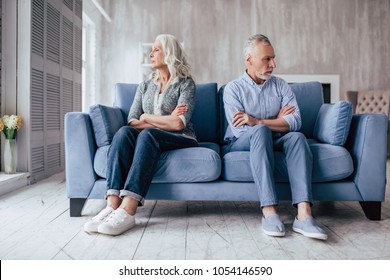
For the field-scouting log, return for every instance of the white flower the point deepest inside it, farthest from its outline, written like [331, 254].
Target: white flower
[12, 122]
[9, 122]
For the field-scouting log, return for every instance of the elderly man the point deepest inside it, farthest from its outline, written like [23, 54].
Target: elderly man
[264, 117]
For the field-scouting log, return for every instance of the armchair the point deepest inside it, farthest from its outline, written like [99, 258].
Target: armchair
[372, 101]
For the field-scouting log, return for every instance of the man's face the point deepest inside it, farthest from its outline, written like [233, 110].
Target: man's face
[261, 62]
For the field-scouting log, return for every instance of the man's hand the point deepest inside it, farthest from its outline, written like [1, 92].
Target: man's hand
[286, 110]
[179, 110]
[240, 118]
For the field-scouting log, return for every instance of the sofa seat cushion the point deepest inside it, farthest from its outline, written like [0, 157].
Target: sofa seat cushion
[188, 165]
[210, 145]
[330, 163]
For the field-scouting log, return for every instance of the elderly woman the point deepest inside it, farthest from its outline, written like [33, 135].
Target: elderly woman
[159, 120]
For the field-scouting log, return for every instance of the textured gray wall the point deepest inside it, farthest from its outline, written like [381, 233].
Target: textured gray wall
[350, 38]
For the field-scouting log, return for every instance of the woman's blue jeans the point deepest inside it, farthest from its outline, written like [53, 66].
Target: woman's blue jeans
[133, 156]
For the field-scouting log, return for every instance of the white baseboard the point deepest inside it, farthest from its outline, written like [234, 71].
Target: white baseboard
[12, 182]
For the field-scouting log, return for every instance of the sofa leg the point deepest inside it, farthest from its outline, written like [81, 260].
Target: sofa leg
[372, 209]
[76, 206]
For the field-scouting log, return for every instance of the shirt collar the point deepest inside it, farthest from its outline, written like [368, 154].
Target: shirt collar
[249, 80]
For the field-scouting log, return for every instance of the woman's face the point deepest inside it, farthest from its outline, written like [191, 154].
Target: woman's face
[157, 55]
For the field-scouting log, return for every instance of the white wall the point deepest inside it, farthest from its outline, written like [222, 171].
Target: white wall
[349, 38]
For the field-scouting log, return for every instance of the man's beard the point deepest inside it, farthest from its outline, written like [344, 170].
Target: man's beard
[262, 75]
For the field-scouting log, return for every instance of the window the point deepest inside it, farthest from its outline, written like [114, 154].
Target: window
[88, 63]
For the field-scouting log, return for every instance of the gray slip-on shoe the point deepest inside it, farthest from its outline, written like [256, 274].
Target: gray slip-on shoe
[273, 226]
[309, 228]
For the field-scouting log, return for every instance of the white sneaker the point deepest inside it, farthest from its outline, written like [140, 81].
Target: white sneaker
[92, 225]
[117, 223]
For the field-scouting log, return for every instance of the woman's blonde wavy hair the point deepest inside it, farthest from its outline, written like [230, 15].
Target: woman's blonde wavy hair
[174, 58]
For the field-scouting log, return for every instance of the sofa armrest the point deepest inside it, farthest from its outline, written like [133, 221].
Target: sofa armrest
[367, 143]
[80, 148]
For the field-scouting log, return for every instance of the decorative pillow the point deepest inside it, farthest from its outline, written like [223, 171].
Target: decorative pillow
[106, 121]
[333, 122]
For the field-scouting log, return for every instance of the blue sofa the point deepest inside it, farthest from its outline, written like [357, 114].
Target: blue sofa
[349, 153]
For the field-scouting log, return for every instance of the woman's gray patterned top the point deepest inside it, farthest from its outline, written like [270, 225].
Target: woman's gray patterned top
[180, 92]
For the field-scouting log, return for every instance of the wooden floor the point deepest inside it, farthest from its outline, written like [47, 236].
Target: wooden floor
[35, 224]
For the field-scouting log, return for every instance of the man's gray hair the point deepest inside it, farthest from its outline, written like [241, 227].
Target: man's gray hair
[251, 43]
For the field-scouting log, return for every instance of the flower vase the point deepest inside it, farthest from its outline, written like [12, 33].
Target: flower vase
[10, 156]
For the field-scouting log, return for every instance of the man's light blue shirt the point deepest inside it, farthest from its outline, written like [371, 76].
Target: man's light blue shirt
[260, 101]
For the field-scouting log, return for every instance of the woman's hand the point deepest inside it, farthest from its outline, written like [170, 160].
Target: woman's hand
[142, 117]
[179, 110]
[140, 124]
[168, 122]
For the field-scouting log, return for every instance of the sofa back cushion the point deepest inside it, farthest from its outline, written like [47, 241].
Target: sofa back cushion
[205, 117]
[309, 98]
[124, 96]
[333, 123]
[222, 116]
